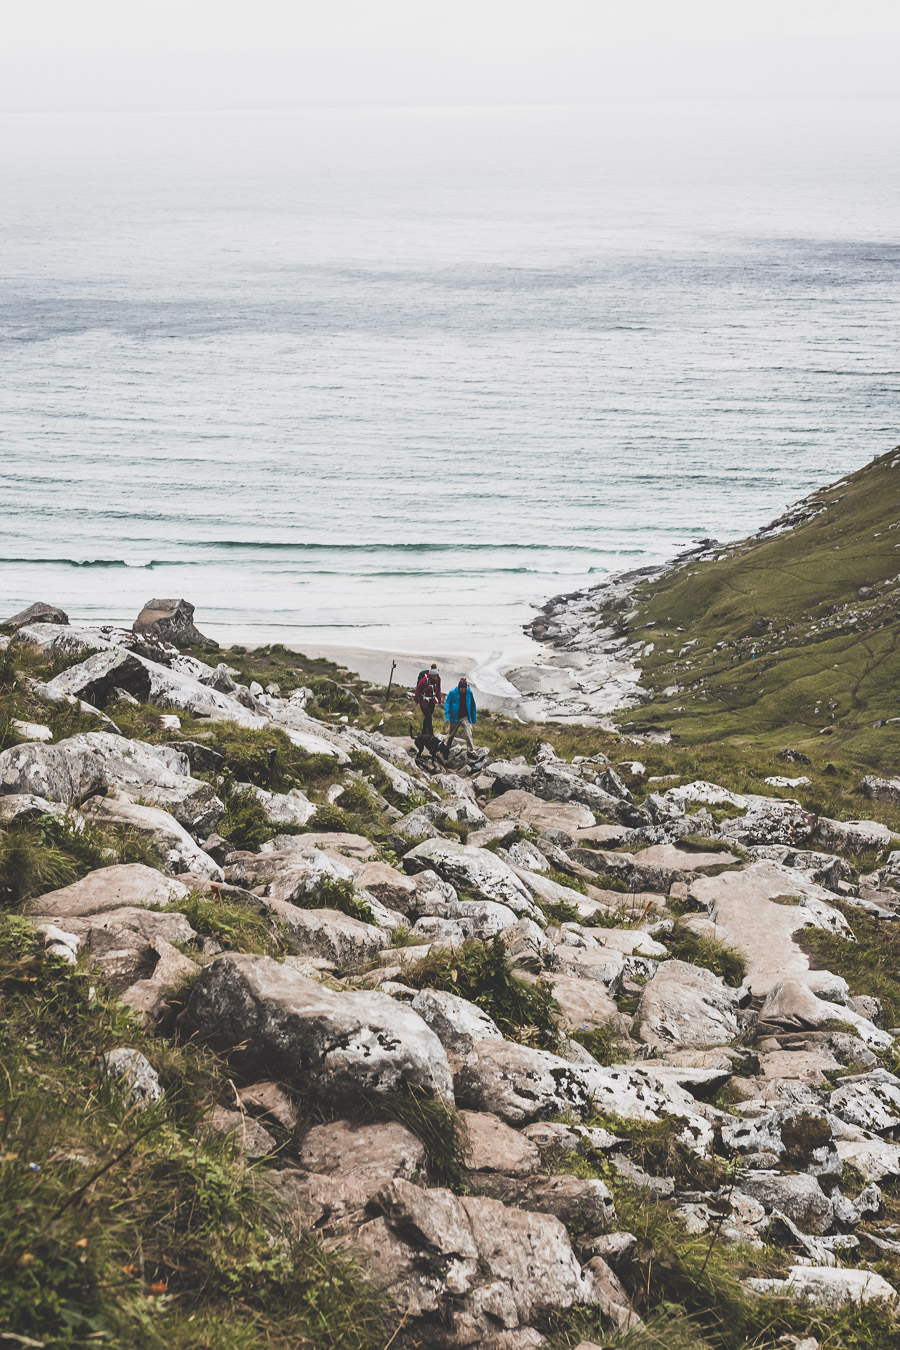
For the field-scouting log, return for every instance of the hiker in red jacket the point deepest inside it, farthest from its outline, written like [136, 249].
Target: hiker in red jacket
[428, 697]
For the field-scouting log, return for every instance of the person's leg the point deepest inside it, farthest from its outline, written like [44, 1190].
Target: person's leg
[454, 728]
[467, 732]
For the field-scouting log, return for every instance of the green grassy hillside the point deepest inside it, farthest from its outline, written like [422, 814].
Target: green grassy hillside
[791, 639]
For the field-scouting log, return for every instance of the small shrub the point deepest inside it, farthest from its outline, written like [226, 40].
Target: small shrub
[601, 1042]
[482, 974]
[357, 798]
[725, 962]
[559, 911]
[245, 823]
[564, 879]
[339, 893]
[330, 818]
[236, 926]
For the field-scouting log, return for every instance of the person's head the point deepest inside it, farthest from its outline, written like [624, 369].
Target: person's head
[463, 684]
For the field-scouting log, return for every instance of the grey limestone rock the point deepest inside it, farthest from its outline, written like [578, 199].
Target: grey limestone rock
[340, 1044]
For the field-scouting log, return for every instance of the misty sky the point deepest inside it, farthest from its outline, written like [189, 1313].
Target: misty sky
[214, 54]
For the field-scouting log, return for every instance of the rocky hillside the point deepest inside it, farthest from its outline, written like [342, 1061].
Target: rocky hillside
[793, 633]
[306, 1047]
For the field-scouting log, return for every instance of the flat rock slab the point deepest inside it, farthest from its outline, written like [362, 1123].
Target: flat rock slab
[531, 810]
[758, 911]
[126, 884]
[685, 1004]
[670, 858]
[369, 1155]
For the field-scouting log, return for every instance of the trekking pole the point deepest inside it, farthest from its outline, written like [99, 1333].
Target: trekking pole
[387, 696]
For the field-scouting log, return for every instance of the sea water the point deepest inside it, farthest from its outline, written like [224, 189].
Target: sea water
[390, 378]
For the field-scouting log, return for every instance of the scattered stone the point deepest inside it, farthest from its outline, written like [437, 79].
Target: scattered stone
[133, 1075]
[871, 1101]
[475, 870]
[251, 1138]
[828, 1286]
[177, 850]
[541, 815]
[271, 1100]
[458, 1024]
[81, 766]
[367, 1155]
[492, 1146]
[798, 1196]
[37, 613]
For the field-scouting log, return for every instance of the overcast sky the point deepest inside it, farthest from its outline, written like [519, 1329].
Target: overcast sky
[172, 54]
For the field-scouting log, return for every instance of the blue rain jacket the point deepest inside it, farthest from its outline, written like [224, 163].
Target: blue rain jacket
[451, 706]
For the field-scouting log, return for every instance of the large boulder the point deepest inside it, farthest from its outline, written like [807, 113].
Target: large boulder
[466, 1268]
[297, 875]
[93, 761]
[853, 836]
[170, 621]
[126, 884]
[686, 1005]
[37, 613]
[167, 686]
[881, 789]
[771, 820]
[474, 870]
[99, 678]
[177, 851]
[340, 1044]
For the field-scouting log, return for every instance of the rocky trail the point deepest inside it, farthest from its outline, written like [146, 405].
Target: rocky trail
[548, 1051]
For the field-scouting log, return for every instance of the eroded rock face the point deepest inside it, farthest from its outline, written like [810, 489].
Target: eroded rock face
[686, 1005]
[504, 1268]
[338, 1044]
[81, 766]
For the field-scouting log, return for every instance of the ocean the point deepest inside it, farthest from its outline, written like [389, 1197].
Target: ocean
[389, 378]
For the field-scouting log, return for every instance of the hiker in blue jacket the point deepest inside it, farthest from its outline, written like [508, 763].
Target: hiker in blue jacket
[460, 714]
